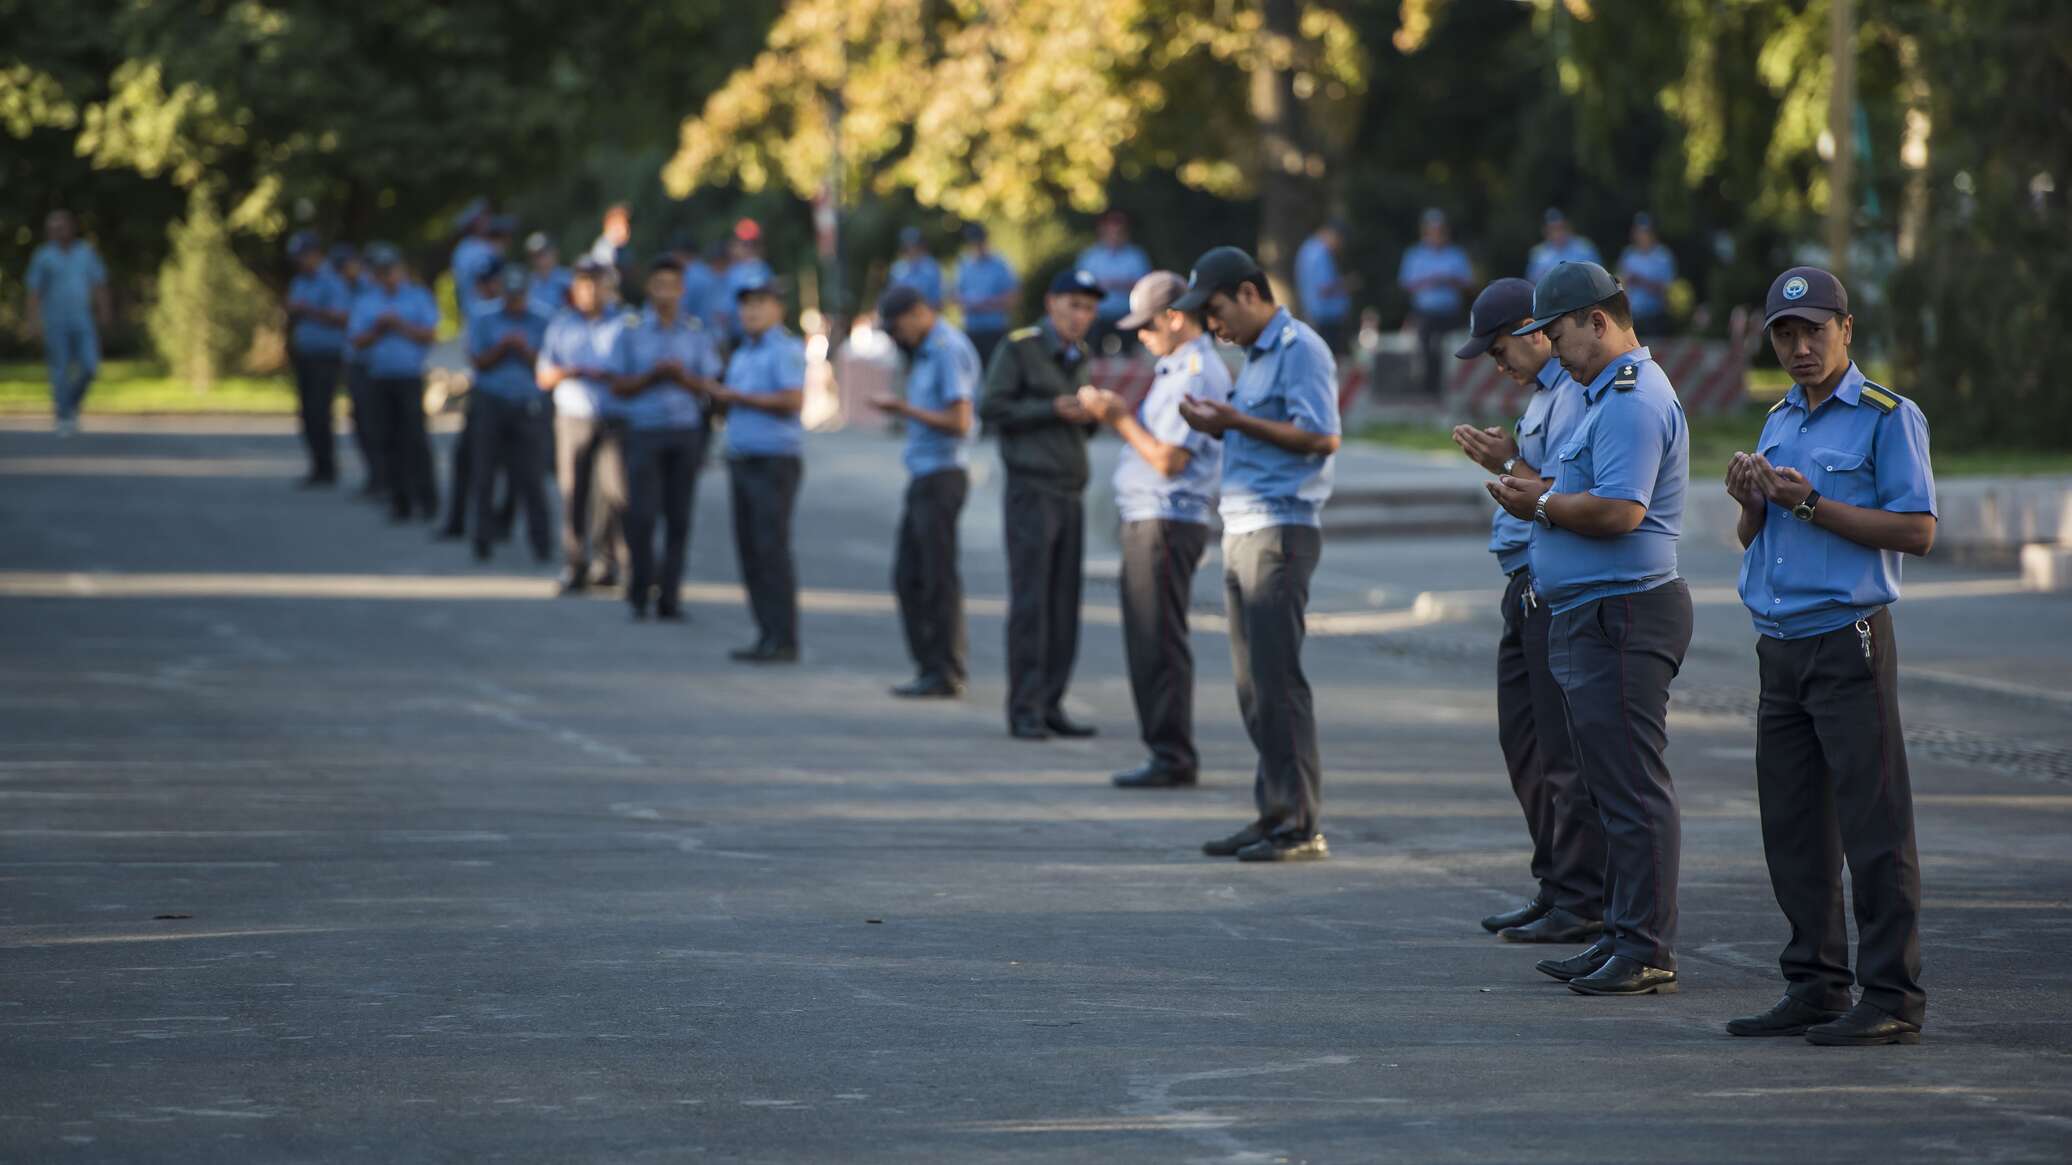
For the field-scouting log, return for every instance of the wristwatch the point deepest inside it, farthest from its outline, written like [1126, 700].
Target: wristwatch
[1509, 463]
[1804, 510]
[1539, 511]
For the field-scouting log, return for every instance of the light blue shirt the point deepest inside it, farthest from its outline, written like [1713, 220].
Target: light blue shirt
[921, 273]
[772, 362]
[323, 291]
[1142, 493]
[471, 257]
[705, 295]
[1657, 265]
[1289, 376]
[983, 277]
[549, 293]
[1550, 417]
[394, 356]
[1798, 579]
[64, 279]
[1116, 269]
[1544, 256]
[642, 344]
[1324, 299]
[511, 378]
[944, 370]
[361, 287]
[1421, 262]
[574, 340]
[1631, 444]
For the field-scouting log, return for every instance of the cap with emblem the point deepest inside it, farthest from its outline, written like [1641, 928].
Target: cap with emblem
[383, 255]
[1503, 303]
[1218, 268]
[1806, 293]
[1075, 281]
[512, 279]
[1568, 287]
[1153, 295]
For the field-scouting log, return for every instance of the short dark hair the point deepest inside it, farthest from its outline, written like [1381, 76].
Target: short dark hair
[665, 263]
[1620, 311]
[1257, 279]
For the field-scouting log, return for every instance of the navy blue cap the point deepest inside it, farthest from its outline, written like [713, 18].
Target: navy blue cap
[1432, 217]
[761, 285]
[587, 268]
[513, 278]
[470, 214]
[1553, 215]
[503, 224]
[302, 242]
[899, 299]
[1568, 287]
[910, 236]
[1076, 281]
[974, 232]
[343, 253]
[1644, 219]
[1218, 267]
[1806, 293]
[1503, 303]
[383, 255]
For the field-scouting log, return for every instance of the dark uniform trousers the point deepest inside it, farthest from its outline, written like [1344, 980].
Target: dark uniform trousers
[508, 438]
[1266, 577]
[592, 479]
[1831, 773]
[1046, 559]
[1159, 558]
[661, 480]
[1614, 658]
[765, 491]
[1432, 360]
[406, 450]
[359, 391]
[316, 388]
[460, 482]
[925, 576]
[1567, 839]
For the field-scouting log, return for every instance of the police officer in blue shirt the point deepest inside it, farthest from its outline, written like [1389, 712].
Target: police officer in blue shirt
[1839, 487]
[1327, 302]
[663, 369]
[575, 365]
[703, 285]
[1117, 264]
[1436, 275]
[1647, 268]
[1165, 487]
[393, 325]
[987, 289]
[1559, 243]
[1532, 724]
[505, 411]
[1280, 433]
[941, 384]
[318, 306]
[763, 392]
[484, 297]
[68, 297]
[745, 269]
[916, 268]
[1604, 562]
[345, 263]
[548, 280]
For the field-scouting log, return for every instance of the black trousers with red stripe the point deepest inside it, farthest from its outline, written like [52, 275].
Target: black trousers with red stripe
[1831, 771]
[1159, 558]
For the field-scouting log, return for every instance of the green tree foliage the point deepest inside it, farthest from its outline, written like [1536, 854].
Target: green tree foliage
[209, 304]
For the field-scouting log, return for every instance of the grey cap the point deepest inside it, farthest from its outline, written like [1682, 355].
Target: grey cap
[1568, 287]
[1153, 294]
[1218, 268]
[1503, 303]
[538, 241]
[1806, 293]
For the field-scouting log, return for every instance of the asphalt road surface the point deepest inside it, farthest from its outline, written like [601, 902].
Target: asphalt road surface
[320, 843]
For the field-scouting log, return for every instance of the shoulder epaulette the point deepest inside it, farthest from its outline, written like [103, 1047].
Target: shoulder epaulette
[1878, 398]
[1028, 333]
[1781, 402]
[1627, 378]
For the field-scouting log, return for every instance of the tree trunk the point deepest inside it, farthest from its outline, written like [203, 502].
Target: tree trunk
[1286, 205]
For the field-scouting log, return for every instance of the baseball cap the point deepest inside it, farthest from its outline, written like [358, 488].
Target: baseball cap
[974, 233]
[899, 299]
[383, 255]
[1075, 281]
[503, 224]
[1218, 268]
[1568, 287]
[512, 279]
[1503, 303]
[588, 268]
[1644, 220]
[343, 253]
[302, 243]
[1153, 294]
[1553, 215]
[1806, 293]
[470, 214]
[910, 236]
[1432, 217]
[761, 285]
[537, 242]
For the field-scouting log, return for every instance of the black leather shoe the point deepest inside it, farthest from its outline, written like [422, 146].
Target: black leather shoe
[765, 653]
[573, 582]
[1789, 1018]
[481, 552]
[928, 688]
[1864, 1027]
[1532, 911]
[1286, 849]
[1063, 725]
[1555, 926]
[1028, 728]
[1596, 955]
[1229, 847]
[1152, 775]
[1624, 976]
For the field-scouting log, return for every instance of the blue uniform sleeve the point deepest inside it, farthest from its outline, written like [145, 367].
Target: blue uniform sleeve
[477, 335]
[1626, 447]
[1403, 269]
[790, 366]
[360, 319]
[1311, 388]
[1905, 478]
[957, 375]
[709, 362]
[622, 361]
[420, 310]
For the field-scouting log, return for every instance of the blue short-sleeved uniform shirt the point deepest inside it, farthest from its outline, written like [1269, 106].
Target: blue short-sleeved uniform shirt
[945, 370]
[471, 257]
[1631, 444]
[1289, 375]
[1316, 280]
[394, 356]
[1545, 257]
[704, 293]
[64, 279]
[356, 290]
[1798, 579]
[323, 291]
[643, 342]
[774, 361]
[548, 293]
[1422, 262]
[1656, 265]
[1142, 493]
[511, 378]
[1116, 269]
[983, 277]
[921, 273]
[1550, 416]
[574, 340]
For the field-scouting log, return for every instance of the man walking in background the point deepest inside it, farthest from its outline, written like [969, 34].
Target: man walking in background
[68, 303]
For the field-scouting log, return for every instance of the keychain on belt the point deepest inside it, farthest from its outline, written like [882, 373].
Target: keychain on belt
[1863, 633]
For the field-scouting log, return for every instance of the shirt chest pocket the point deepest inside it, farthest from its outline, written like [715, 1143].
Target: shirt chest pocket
[1573, 471]
[1532, 440]
[1843, 475]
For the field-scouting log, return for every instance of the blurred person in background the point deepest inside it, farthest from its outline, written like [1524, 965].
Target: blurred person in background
[1436, 275]
[1558, 244]
[68, 305]
[745, 269]
[394, 325]
[318, 306]
[763, 391]
[1327, 301]
[345, 262]
[575, 365]
[1117, 264]
[1647, 268]
[613, 246]
[505, 410]
[916, 268]
[987, 289]
[547, 278]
